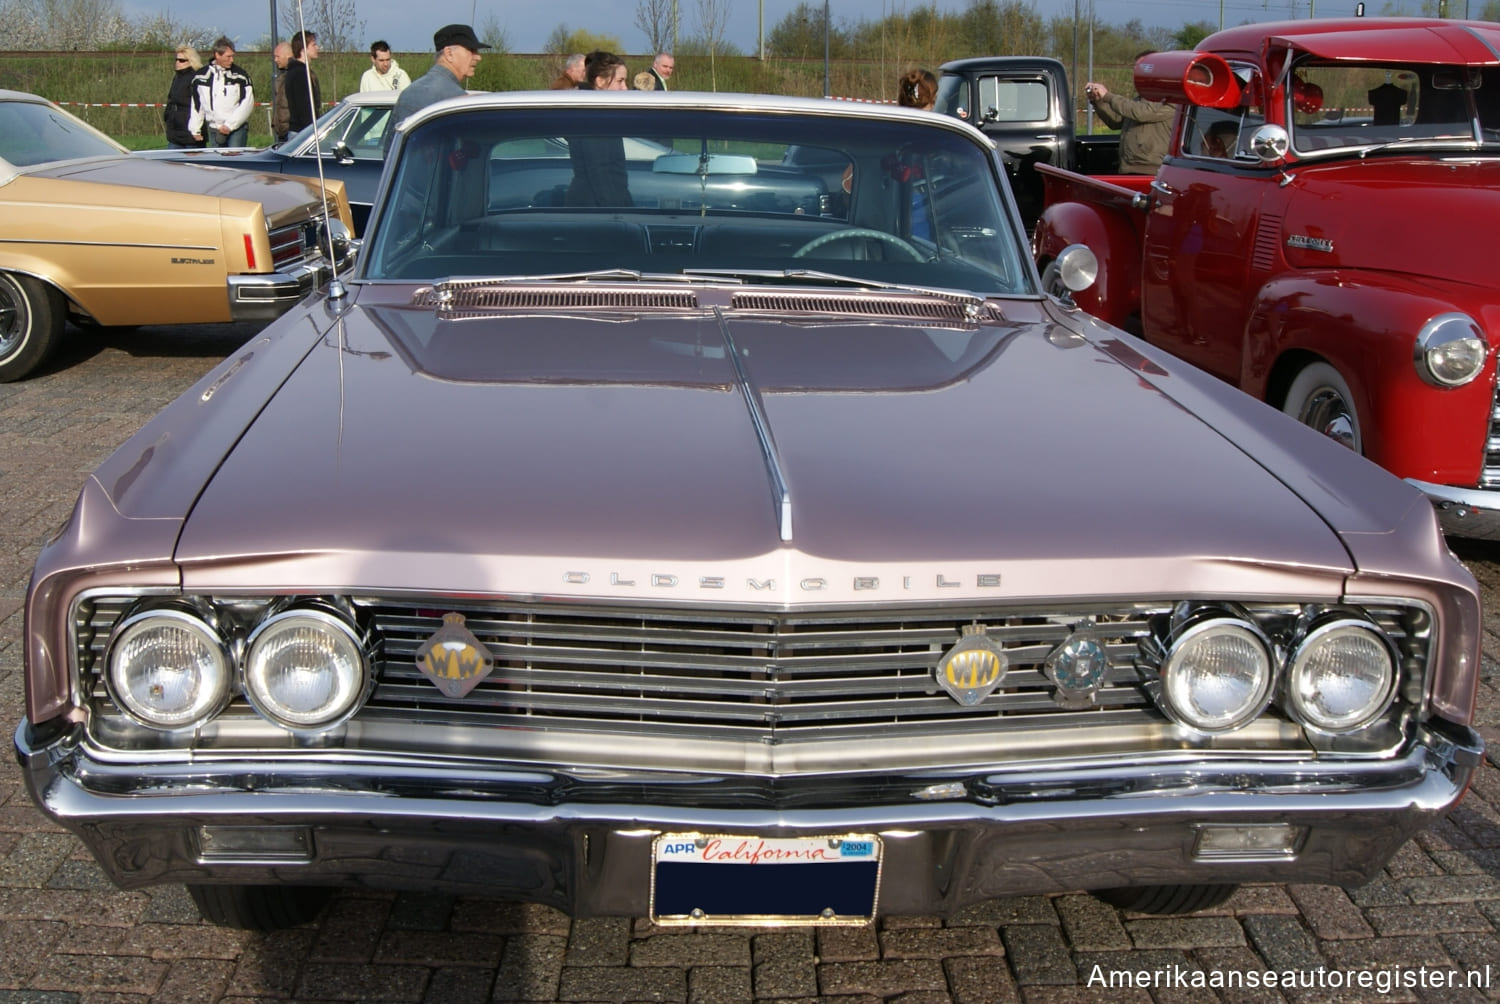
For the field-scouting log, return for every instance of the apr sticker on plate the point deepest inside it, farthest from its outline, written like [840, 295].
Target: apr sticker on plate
[708, 879]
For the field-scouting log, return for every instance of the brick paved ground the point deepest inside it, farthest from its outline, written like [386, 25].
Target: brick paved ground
[66, 935]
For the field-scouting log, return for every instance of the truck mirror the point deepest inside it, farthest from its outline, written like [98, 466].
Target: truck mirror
[1270, 143]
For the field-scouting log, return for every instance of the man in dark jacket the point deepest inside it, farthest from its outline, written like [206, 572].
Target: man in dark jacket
[1145, 126]
[661, 70]
[303, 94]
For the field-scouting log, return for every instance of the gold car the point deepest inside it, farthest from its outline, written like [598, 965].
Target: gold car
[98, 235]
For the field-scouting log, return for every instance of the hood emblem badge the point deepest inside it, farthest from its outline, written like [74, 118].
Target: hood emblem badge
[1079, 667]
[453, 659]
[1310, 243]
[973, 668]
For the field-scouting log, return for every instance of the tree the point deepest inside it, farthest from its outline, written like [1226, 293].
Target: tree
[492, 32]
[336, 23]
[799, 35]
[713, 23]
[654, 18]
[63, 24]
[1189, 35]
[565, 41]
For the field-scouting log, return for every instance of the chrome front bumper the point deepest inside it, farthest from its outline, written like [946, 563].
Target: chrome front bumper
[1472, 513]
[583, 843]
[267, 296]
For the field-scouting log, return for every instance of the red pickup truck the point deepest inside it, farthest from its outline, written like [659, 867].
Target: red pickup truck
[1317, 237]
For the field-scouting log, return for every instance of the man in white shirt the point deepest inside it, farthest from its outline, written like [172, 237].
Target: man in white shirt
[384, 74]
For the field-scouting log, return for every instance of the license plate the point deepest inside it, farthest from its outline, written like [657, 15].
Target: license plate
[722, 879]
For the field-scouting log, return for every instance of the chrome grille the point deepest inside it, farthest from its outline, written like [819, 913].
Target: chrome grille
[776, 674]
[1489, 475]
[745, 677]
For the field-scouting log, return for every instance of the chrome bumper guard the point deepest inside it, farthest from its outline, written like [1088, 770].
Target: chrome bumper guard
[267, 296]
[583, 843]
[1472, 513]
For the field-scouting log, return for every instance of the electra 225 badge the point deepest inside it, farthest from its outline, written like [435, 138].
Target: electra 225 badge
[453, 659]
[972, 668]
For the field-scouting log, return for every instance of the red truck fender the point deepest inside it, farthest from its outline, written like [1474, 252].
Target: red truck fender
[1358, 325]
[1107, 219]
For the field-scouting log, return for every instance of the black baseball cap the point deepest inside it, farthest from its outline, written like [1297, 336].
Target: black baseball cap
[457, 34]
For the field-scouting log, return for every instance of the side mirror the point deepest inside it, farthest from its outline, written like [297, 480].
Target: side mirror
[342, 153]
[1270, 143]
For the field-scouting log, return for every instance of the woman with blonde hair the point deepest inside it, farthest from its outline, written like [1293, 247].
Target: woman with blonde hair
[918, 89]
[180, 97]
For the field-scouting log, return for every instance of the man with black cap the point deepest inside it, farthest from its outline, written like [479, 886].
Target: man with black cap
[457, 56]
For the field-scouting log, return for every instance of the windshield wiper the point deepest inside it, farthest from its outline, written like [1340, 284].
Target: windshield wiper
[1443, 141]
[813, 276]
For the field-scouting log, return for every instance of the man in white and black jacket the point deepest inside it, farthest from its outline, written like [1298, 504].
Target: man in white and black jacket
[222, 100]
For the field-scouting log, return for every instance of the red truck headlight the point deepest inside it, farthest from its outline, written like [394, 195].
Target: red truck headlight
[1451, 350]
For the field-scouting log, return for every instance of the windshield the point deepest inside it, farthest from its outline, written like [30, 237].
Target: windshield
[360, 128]
[32, 133]
[1346, 106]
[498, 192]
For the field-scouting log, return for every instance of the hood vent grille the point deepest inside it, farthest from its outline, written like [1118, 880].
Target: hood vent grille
[915, 308]
[452, 300]
[1267, 242]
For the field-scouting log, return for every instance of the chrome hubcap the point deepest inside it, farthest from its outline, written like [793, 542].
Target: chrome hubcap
[1328, 412]
[14, 319]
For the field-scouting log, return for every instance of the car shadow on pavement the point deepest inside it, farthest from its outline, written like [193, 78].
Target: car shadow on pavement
[178, 341]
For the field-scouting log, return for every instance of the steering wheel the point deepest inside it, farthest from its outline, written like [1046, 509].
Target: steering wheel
[854, 233]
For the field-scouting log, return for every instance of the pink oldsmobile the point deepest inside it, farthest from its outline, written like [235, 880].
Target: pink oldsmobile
[691, 507]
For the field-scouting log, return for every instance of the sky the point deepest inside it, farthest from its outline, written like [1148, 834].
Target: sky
[409, 26]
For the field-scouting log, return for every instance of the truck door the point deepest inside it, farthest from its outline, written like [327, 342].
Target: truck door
[1199, 262]
[1019, 110]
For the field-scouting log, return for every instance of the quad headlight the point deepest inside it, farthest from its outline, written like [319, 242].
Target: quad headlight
[1342, 676]
[1450, 350]
[305, 669]
[1216, 675]
[168, 669]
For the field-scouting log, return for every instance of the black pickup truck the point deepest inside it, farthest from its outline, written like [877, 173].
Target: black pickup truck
[1024, 104]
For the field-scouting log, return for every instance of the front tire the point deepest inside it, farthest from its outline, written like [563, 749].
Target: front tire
[31, 324]
[259, 907]
[1320, 398]
[1166, 900]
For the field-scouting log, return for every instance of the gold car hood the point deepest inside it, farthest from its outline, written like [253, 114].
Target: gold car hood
[279, 194]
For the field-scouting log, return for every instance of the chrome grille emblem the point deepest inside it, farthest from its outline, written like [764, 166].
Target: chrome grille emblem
[973, 668]
[1078, 666]
[453, 659]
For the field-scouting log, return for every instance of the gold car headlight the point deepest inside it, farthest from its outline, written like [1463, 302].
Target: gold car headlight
[168, 669]
[305, 670]
[1342, 676]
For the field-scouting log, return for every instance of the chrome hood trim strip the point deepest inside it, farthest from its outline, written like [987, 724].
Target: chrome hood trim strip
[779, 492]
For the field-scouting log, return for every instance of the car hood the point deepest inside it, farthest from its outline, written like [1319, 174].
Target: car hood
[277, 193]
[1333, 212]
[628, 456]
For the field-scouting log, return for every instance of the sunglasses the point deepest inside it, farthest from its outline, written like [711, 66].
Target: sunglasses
[182, 59]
